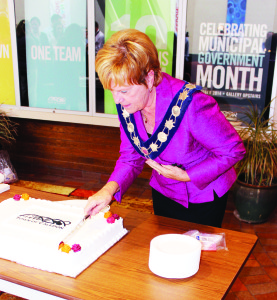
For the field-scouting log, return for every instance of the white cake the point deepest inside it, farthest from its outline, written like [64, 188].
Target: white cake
[31, 231]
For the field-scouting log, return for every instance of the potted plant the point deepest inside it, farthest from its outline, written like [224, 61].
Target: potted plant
[7, 136]
[255, 191]
[7, 130]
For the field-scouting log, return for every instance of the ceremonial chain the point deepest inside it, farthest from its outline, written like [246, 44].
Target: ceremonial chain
[167, 125]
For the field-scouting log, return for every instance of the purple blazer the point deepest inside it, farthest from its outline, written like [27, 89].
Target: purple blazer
[206, 145]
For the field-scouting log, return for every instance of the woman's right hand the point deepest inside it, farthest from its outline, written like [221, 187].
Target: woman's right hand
[101, 199]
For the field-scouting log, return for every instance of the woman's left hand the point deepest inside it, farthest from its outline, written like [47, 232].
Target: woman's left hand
[169, 171]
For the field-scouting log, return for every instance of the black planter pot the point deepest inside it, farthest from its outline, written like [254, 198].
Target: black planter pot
[254, 204]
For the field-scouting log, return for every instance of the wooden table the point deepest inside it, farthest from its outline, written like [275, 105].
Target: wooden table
[123, 273]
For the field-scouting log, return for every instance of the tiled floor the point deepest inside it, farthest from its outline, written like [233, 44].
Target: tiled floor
[258, 278]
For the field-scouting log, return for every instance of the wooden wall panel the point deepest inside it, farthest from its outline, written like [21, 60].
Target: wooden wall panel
[58, 147]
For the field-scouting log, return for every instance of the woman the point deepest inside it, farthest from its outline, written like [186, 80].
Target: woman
[173, 127]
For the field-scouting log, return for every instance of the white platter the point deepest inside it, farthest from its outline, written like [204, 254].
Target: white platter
[174, 255]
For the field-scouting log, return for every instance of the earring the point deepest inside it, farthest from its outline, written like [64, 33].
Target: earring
[150, 90]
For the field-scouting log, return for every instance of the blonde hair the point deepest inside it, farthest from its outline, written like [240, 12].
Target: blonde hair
[127, 57]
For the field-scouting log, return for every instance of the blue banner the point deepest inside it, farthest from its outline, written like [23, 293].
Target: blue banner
[56, 53]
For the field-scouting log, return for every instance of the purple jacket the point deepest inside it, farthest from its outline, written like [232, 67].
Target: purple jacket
[206, 145]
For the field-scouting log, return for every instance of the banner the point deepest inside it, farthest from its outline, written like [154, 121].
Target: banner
[7, 94]
[154, 17]
[56, 54]
[232, 63]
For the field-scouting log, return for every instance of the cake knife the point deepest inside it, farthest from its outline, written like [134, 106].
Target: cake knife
[80, 224]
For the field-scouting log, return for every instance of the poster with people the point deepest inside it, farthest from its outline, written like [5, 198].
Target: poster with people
[7, 95]
[56, 54]
[156, 18]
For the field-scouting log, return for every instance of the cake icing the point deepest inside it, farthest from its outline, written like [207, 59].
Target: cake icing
[31, 231]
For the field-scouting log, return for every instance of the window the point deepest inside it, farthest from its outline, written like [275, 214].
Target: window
[155, 18]
[232, 50]
[48, 63]
[52, 60]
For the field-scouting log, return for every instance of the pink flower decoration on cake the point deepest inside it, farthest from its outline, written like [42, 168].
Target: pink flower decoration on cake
[16, 197]
[111, 220]
[76, 248]
[116, 216]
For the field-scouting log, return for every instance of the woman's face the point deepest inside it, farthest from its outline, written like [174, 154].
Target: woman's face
[133, 97]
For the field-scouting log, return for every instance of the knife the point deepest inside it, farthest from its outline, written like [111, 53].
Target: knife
[79, 225]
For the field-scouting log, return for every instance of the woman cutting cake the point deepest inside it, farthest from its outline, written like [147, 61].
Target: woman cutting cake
[173, 127]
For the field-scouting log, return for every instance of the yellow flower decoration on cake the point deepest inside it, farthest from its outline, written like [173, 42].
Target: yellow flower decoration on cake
[25, 196]
[66, 248]
[107, 214]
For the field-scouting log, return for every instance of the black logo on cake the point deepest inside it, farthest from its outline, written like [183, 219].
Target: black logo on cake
[46, 221]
